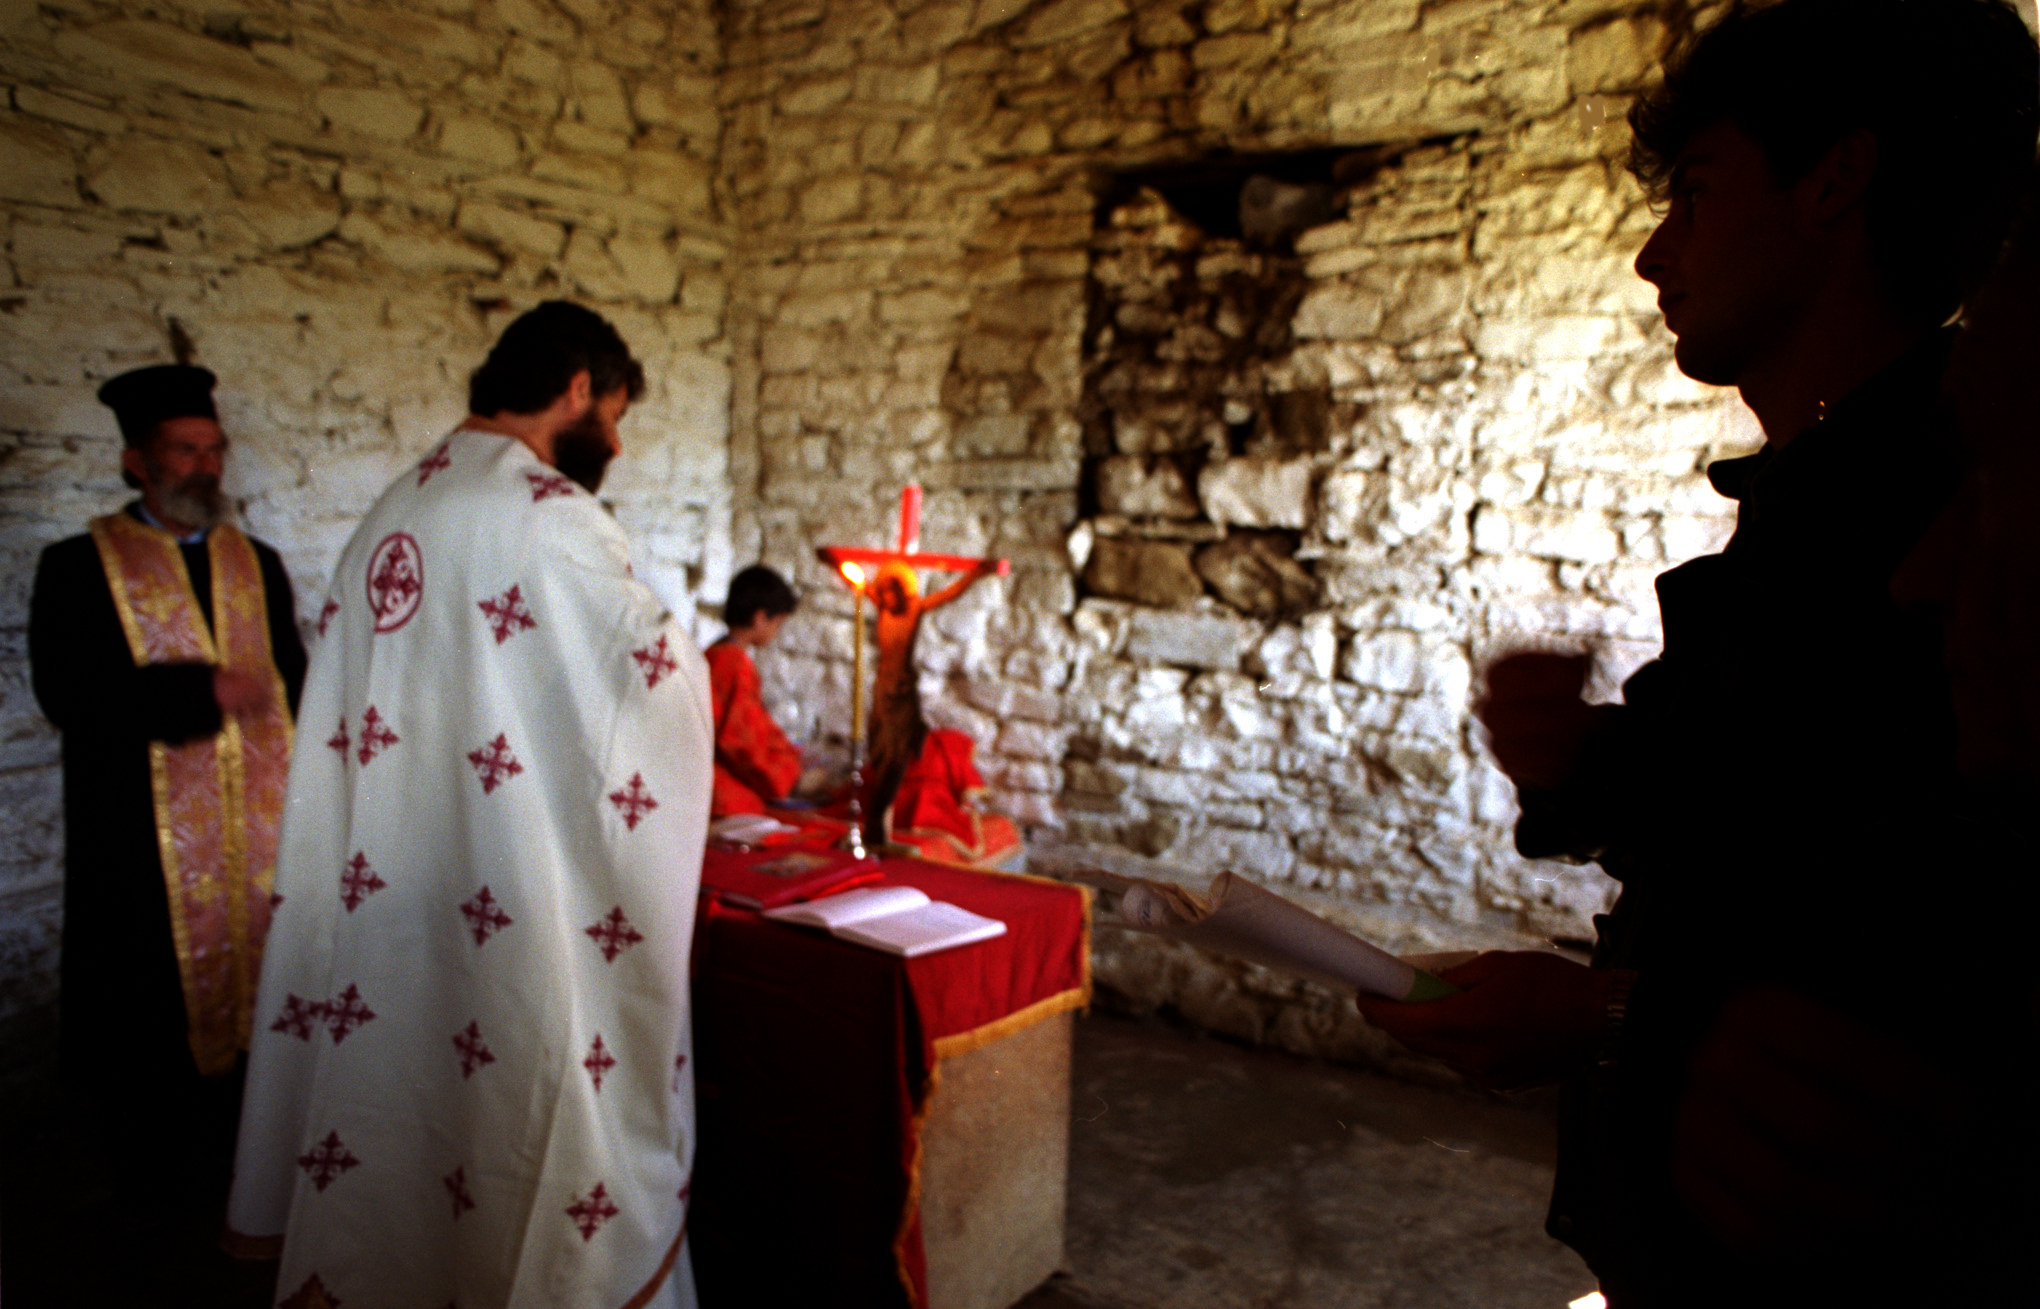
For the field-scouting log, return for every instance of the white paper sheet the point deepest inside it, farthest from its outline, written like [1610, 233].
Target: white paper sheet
[1245, 921]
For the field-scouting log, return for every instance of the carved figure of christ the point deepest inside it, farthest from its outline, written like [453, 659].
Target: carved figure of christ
[889, 576]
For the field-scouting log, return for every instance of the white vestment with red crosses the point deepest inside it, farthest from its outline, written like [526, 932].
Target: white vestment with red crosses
[469, 1081]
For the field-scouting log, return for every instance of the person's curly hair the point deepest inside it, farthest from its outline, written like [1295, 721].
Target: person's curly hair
[1950, 89]
[535, 360]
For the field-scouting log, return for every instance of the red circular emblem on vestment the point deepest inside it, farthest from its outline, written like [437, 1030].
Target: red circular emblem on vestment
[396, 581]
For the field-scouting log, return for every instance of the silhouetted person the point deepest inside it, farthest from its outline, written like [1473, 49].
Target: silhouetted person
[1784, 1084]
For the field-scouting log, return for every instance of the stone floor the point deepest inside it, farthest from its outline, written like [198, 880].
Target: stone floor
[1203, 1175]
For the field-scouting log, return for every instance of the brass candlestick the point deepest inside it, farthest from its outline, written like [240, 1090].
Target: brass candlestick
[853, 840]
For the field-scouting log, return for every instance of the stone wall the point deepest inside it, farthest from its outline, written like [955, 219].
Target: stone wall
[339, 204]
[864, 243]
[933, 277]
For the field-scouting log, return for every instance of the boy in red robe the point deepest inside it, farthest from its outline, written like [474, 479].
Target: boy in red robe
[754, 762]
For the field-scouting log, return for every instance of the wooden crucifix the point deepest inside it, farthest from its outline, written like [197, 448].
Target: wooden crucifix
[897, 728]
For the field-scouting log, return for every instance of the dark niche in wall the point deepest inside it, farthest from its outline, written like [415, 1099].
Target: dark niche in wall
[1200, 442]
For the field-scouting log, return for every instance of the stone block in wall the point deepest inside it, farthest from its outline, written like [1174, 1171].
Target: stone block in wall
[649, 265]
[376, 112]
[36, 166]
[158, 53]
[599, 100]
[1614, 56]
[1256, 573]
[157, 177]
[1146, 572]
[1190, 640]
[284, 216]
[992, 434]
[1020, 739]
[1156, 426]
[1061, 20]
[582, 172]
[512, 228]
[1339, 310]
[1575, 535]
[70, 112]
[1257, 492]
[1547, 339]
[415, 247]
[685, 103]
[1144, 488]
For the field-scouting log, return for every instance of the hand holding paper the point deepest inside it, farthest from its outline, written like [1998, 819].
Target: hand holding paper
[1522, 1017]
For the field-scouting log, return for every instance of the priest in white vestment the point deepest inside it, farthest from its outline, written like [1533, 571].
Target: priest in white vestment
[470, 1080]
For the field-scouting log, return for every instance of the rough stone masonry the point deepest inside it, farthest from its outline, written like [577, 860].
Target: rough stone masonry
[862, 243]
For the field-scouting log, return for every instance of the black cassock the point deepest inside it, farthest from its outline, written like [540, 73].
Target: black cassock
[123, 998]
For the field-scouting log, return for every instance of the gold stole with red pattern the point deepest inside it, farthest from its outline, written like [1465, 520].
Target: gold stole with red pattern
[218, 799]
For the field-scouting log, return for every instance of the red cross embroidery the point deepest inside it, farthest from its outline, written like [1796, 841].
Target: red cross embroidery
[327, 1160]
[339, 741]
[457, 1187]
[598, 1062]
[484, 917]
[376, 736]
[312, 1295]
[633, 801]
[591, 1212]
[396, 581]
[507, 614]
[345, 1012]
[654, 662]
[494, 763]
[473, 1051]
[614, 934]
[299, 1017]
[358, 881]
[326, 614]
[544, 485]
[433, 462]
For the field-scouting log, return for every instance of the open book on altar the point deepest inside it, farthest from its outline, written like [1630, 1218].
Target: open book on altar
[899, 920]
[1237, 918]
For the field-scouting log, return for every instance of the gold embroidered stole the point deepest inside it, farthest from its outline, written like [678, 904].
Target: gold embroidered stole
[218, 799]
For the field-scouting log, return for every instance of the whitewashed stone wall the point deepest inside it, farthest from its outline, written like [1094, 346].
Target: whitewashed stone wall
[861, 243]
[917, 187]
[340, 204]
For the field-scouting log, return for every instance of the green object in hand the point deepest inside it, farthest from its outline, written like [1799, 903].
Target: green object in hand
[1429, 986]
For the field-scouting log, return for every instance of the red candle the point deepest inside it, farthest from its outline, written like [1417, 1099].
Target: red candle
[910, 519]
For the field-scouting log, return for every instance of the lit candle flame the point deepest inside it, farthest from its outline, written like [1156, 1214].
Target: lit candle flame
[854, 573]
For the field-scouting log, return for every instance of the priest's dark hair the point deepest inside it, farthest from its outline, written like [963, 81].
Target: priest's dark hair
[1950, 89]
[757, 590]
[537, 356]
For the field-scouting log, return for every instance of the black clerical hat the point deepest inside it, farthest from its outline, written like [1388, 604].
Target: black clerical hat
[144, 397]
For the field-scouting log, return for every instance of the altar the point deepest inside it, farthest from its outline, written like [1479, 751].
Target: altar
[884, 1131]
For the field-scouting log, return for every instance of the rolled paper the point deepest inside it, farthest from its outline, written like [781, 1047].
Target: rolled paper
[1245, 921]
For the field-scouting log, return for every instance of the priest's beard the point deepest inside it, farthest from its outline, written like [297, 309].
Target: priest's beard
[581, 450]
[195, 501]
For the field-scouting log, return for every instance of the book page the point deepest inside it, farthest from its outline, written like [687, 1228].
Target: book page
[835, 911]
[936, 925]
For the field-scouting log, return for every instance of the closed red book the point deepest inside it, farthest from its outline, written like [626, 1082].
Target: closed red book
[763, 879]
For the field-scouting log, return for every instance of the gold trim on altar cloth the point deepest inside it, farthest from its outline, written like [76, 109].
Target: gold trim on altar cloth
[218, 799]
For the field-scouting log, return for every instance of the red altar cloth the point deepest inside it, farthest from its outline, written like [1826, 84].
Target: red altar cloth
[815, 1063]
